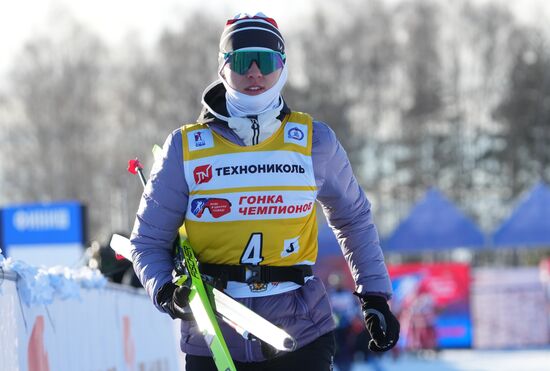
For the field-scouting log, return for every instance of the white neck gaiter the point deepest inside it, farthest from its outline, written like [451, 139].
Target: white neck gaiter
[256, 128]
[242, 105]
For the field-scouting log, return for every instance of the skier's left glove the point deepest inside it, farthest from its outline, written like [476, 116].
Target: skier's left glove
[381, 324]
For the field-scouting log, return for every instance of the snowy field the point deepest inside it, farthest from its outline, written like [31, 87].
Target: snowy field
[467, 360]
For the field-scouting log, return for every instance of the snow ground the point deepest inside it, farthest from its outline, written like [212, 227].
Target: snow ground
[467, 360]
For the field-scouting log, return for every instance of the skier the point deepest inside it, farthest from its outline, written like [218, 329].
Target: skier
[244, 180]
[345, 312]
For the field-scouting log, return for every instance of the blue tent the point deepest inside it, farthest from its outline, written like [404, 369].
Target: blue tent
[529, 223]
[434, 223]
[328, 245]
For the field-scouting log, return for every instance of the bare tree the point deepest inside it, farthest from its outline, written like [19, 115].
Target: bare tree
[56, 85]
[153, 93]
[420, 93]
[344, 69]
[525, 111]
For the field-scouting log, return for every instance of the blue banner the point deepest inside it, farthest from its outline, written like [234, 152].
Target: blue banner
[43, 224]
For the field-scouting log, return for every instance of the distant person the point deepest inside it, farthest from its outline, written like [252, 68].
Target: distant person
[418, 314]
[422, 334]
[244, 180]
[115, 269]
[345, 311]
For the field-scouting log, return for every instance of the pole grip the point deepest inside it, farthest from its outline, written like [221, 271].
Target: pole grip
[135, 167]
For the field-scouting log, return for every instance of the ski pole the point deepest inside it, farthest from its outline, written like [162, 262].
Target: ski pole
[199, 301]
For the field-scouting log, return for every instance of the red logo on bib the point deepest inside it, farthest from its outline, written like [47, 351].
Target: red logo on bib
[202, 174]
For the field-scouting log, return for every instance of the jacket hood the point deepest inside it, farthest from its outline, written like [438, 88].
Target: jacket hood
[214, 107]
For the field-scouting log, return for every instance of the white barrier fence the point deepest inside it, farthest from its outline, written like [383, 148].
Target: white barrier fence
[509, 308]
[107, 329]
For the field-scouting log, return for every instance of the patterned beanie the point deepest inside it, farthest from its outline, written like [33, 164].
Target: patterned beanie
[246, 31]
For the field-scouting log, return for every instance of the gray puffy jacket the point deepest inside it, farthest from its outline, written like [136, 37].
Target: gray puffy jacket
[304, 313]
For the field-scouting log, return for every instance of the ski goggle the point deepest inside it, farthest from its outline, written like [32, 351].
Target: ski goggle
[267, 61]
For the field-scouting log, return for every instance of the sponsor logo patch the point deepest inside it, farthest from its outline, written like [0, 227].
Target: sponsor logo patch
[257, 286]
[202, 174]
[296, 133]
[199, 142]
[217, 207]
[200, 139]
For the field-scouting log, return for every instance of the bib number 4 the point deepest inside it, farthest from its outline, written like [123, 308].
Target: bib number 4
[252, 253]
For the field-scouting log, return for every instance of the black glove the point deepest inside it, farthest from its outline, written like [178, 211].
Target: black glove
[174, 300]
[381, 324]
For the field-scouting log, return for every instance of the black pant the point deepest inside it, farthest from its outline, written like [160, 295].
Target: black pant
[316, 356]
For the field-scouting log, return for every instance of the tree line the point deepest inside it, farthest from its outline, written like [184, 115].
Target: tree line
[421, 94]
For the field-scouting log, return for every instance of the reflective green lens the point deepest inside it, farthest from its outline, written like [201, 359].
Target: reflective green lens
[267, 61]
